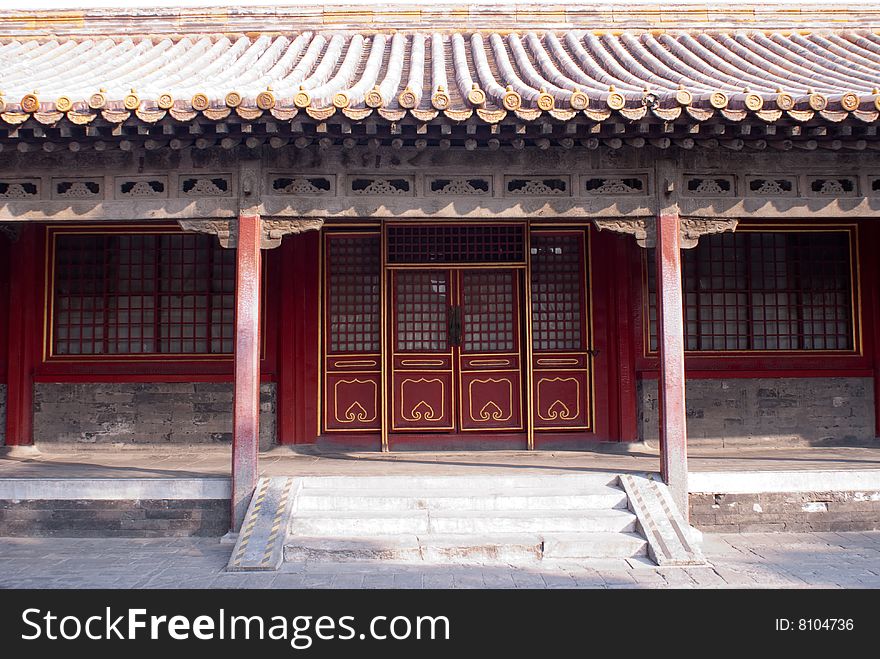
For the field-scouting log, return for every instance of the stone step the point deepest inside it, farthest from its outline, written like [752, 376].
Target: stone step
[594, 545]
[462, 548]
[459, 483]
[603, 497]
[354, 523]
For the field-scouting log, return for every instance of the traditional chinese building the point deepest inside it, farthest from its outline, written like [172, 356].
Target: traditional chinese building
[445, 228]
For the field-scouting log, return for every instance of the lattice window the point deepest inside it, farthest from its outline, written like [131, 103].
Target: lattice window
[765, 291]
[456, 244]
[142, 293]
[558, 282]
[421, 306]
[353, 278]
[489, 311]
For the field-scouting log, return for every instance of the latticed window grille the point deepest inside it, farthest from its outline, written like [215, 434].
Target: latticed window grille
[557, 286]
[353, 278]
[767, 290]
[141, 294]
[456, 244]
[422, 300]
[489, 311]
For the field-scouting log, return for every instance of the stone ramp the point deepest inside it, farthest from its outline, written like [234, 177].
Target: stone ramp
[462, 519]
[261, 541]
[671, 540]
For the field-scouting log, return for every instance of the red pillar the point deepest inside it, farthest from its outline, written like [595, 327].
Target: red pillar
[246, 414]
[23, 311]
[670, 335]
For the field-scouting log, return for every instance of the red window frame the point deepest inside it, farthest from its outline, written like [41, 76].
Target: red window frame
[169, 367]
[775, 363]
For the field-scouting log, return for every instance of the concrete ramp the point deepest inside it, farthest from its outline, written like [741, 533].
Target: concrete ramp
[260, 543]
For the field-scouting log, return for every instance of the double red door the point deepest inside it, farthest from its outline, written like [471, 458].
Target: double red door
[456, 350]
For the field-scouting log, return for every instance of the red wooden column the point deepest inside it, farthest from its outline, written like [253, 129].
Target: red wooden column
[23, 311]
[246, 414]
[670, 339]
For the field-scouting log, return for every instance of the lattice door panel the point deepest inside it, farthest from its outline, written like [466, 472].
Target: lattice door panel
[490, 310]
[490, 380]
[560, 331]
[352, 371]
[422, 381]
[421, 309]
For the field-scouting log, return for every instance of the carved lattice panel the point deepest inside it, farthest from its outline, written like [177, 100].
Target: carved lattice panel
[557, 291]
[765, 290]
[420, 310]
[141, 294]
[504, 243]
[489, 306]
[353, 269]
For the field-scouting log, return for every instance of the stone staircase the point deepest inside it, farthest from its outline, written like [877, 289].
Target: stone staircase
[462, 518]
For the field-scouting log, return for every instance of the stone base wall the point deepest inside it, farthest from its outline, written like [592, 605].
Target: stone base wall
[788, 511]
[126, 518]
[143, 413]
[2, 414]
[769, 411]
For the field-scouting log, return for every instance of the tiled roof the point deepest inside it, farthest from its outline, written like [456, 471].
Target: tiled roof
[459, 74]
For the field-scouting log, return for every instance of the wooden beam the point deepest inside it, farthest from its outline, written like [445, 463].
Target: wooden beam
[246, 406]
[670, 341]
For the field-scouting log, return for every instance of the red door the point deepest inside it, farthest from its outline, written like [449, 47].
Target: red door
[489, 363]
[456, 343]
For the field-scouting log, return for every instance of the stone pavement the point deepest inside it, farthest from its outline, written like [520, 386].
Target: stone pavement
[772, 560]
[183, 462]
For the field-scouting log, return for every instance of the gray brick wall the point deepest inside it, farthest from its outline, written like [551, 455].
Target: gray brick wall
[769, 411]
[2, 414]
[786, 511]
[143, 413]
[143, 518]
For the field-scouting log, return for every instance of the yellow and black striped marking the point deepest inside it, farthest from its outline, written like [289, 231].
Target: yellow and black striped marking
[250, 522]
[278, 522]
[261, 541]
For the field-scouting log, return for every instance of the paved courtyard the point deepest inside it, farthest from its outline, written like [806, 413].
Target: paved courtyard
[757, 560]
[213, 462]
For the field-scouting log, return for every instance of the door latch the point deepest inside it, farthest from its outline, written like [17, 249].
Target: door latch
[455, 329]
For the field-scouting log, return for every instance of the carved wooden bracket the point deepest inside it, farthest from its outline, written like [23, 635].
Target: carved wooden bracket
[250, 189]
[11, 231]
[691, 228]
[272, 230]
[641, 228]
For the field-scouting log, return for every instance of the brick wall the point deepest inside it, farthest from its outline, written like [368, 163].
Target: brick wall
[786, 511]
[2, 414]
[769, 411]
[143, 413]
[142, 518]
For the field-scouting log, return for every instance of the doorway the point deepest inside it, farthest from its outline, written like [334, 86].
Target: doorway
[456, 350]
